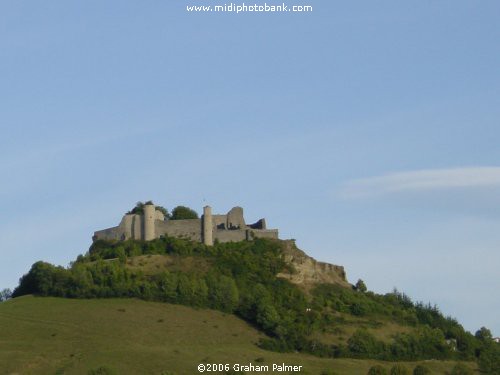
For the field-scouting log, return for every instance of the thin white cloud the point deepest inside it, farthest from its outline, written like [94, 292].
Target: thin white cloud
[423, 180]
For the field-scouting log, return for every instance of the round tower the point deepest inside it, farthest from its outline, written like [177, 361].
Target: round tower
[149, 222]
[207, 226]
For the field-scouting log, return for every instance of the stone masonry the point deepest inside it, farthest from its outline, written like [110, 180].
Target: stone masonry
[230, 227]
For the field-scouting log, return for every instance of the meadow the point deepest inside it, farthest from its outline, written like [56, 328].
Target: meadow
[49, 335]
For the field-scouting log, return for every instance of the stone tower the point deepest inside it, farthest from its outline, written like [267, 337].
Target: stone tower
[207, 226]
[149, 222]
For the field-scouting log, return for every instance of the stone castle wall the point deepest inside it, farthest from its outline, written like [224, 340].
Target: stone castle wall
[230, 235]
[190, 229]
[222, 228]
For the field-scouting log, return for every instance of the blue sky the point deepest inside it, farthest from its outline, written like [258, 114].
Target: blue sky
[366, 130]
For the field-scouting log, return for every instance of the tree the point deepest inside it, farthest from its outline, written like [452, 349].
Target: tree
[39, 280]
[139, 209]
[267, 317]
[183, 213]
[222, 293]
[363, 344]
[191, 290]
[489, 358]
[360, 286]
[5, 294]
[484, 334]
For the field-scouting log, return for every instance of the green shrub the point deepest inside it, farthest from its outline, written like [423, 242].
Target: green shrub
[489, 358]
[363, 344]
[360, 286]
[377, 370]
[421, 370]
[183, 213]
[461, 369]
[399, 370]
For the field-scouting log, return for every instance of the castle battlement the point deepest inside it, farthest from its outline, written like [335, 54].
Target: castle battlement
[152, 224]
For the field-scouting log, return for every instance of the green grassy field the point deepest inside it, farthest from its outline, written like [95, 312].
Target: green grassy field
[44, 335]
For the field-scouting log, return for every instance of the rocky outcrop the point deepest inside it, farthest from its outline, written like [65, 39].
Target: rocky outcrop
[307, 271]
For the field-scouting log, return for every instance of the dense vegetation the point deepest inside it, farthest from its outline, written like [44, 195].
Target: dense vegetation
[241, 279]
[183, 213]
[178, 213]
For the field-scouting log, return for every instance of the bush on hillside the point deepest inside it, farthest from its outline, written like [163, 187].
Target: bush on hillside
[377, 370]
[421, 370]
[363, 344]
[489, 358]
[484, 334]
[461, 369]
[399, 369]
[360, 286]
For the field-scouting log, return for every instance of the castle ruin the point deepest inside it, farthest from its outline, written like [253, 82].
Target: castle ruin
[153, 224]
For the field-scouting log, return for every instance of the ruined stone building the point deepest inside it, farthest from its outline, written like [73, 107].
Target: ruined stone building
[153, 224]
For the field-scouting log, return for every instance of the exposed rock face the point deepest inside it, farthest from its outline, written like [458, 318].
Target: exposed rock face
[309, 271]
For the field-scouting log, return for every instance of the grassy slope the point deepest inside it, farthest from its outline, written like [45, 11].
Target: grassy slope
[153, 264]
[381, 327]
[52, 335]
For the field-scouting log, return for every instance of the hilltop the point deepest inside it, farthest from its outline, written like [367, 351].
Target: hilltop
[290, 302]
[297, 304]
